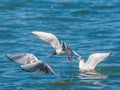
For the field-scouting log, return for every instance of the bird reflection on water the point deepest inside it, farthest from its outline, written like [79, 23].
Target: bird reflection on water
[91, 75]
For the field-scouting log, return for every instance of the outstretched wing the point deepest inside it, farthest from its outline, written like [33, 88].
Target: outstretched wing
[48, 37]
[30, 63]
[95, 58]
[38, 66]
[23, 58]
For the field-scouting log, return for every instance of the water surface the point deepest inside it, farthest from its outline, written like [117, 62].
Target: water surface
[87, 27]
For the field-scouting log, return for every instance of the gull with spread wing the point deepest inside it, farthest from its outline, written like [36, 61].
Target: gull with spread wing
[92, 61]
[60, 48]
[29, 62]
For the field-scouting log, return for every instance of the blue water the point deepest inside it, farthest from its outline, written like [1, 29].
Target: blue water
[87, 26]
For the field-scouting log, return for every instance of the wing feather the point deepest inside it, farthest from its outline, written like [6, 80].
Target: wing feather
[30, 63]
[38, 66]
[96, 58]
[23, 58]
[48, 37]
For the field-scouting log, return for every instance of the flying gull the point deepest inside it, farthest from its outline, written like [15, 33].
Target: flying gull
[59, 48]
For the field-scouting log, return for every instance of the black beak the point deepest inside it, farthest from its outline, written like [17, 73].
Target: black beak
[51, 55]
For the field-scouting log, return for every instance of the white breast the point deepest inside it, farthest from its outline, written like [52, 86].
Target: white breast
[60, 52]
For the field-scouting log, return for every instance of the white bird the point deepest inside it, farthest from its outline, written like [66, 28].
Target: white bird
[60, 48]
[92, 61]
[30, 63]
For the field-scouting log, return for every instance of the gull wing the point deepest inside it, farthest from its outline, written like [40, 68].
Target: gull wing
[96, 58]
[23, 58]
[38, 66]
[75, 53]
[64, 46]
[48, 37]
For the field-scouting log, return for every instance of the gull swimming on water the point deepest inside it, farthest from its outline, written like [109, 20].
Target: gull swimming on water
[29, 62]
[60, 48]
[92, 61]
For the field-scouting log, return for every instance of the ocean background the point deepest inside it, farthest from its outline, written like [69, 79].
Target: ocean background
[87, 26]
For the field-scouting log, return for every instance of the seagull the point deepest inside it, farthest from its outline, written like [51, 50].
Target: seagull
[92, 61]
[30, 63]
[59, 48]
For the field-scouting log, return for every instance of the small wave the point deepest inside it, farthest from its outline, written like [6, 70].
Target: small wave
[11, 7]
[91, 76]
[80, 11]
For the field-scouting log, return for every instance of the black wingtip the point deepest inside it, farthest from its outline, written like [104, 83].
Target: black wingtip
[52, 72]
[8, 56]
[110, 54]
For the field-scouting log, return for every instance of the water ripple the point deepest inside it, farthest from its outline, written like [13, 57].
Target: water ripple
[87, 27]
